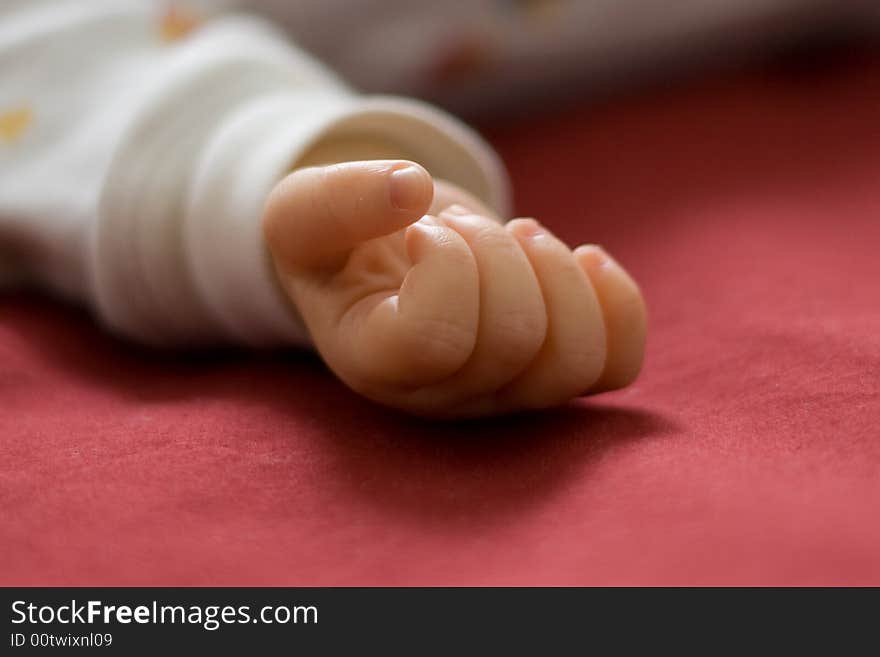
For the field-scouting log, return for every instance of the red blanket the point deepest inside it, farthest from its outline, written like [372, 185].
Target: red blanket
[747, 453]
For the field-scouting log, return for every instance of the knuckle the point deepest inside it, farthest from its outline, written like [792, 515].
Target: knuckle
[629, 314]
[441, 341]
[494, 237]
[456, 251]
[557, 267]
[581, 367]
[521, 332]
[325, 202]
[445, 327]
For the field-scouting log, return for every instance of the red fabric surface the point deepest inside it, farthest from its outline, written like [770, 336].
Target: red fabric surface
[748, 452]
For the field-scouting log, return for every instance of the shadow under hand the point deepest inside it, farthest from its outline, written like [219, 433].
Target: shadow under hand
[478, 472]
[453, 475]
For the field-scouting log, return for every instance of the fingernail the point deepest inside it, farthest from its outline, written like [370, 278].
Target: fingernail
[428, 220]
[466, 221]
[457, 210]
[407, 188]
[421, 228]
[529, 228]
[596, 255]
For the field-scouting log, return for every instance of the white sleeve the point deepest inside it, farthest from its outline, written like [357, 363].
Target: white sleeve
[134, 164]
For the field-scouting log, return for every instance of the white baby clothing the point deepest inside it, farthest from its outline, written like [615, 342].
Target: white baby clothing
[140, 138]
[137, 150]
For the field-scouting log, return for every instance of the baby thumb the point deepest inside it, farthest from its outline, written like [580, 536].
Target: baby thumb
[316, 215]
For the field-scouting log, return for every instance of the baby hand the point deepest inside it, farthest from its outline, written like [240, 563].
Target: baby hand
[451, 314]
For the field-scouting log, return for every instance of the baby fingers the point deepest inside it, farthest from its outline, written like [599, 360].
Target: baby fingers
[625, 318]
[573, 354]
[512, 318]
[427, 330]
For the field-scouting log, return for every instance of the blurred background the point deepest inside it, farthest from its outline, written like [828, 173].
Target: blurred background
[727, 152]
[483, 56]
